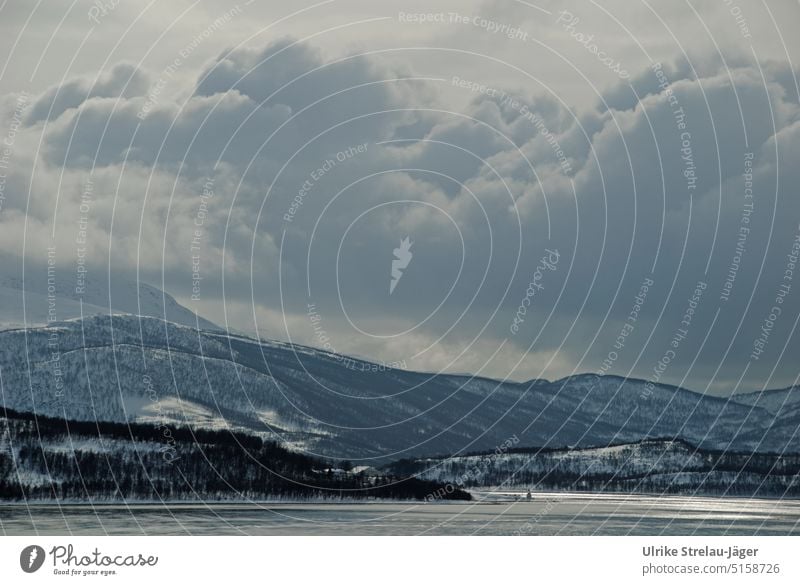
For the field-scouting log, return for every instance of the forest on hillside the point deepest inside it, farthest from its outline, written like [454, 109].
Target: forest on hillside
[45, 458]
[661, 466]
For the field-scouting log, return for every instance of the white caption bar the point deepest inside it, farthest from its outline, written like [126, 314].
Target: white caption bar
[389, 560]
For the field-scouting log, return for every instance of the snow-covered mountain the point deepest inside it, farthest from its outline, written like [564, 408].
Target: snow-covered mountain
[33, 299]
[130, 368]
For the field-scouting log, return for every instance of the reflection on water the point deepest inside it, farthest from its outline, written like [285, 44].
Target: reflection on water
[492, 514]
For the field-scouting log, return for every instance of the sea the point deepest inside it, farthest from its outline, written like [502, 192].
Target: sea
[491, 513]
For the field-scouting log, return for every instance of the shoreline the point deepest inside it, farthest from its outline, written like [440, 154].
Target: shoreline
[480, 497]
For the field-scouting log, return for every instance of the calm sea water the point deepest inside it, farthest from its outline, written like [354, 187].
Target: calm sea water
[495, 514]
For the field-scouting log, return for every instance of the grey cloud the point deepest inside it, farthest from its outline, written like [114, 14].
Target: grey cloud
[618, 224]
[123, 81]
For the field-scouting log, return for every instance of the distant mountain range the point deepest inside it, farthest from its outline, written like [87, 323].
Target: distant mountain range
[129, 368]
[140, 380]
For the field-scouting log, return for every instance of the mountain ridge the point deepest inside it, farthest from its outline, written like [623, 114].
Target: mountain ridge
[26, 301]
[310, 399]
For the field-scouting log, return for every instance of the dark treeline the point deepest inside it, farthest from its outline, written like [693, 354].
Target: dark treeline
[51, 458]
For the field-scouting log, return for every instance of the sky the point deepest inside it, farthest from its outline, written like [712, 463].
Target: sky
[514, 189]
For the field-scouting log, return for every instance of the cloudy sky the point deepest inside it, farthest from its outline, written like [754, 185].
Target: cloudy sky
[585, 186]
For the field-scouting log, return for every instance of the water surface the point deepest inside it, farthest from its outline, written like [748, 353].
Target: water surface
[503, 513]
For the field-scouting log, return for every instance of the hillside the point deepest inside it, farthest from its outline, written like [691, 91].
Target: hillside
[142, 369]
[45, 458]
[652, 466]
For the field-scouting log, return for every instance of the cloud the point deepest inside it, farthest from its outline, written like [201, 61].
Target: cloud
[643, 184]
[123, 81]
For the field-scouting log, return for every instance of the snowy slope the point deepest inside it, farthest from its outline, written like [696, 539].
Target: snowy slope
[647, 466]
[130, 368]
[775, 401]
